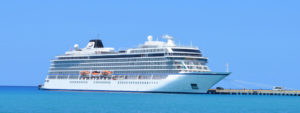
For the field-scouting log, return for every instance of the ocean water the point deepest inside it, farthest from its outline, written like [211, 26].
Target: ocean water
[32, 100]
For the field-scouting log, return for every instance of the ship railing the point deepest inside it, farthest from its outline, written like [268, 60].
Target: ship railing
[112, 77]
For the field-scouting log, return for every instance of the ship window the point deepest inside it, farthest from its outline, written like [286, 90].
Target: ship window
[115, 56]
[194, 86]
[154, 55]
[186, 54]
[186, 50]
[73, 58]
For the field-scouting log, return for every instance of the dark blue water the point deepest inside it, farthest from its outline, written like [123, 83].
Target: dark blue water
[31, 100]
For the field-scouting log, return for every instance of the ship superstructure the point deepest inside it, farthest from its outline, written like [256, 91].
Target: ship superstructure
[154, 66]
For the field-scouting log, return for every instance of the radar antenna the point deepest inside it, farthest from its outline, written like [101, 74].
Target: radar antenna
[167, 37]
[170, 40]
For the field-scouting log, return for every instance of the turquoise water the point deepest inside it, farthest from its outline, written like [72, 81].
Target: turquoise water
[31, 100]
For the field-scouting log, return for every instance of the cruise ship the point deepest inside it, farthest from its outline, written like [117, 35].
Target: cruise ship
[152, 67]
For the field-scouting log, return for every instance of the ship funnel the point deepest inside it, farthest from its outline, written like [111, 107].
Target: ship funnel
[97, 43]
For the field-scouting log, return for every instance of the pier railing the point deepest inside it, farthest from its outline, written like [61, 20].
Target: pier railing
[254, 92]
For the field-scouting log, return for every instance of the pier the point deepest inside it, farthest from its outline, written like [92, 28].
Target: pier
[254, 92]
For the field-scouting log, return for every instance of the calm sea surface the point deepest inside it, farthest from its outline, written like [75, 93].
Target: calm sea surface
[31, 100]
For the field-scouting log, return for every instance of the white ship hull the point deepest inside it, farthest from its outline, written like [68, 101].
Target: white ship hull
[155, 66]
[178, 83]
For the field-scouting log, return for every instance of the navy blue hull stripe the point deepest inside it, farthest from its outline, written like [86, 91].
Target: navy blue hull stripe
[123, 91]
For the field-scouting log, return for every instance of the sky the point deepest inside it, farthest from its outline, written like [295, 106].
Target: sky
[259, 39]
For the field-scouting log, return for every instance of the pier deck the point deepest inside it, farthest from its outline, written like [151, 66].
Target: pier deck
[254, 92]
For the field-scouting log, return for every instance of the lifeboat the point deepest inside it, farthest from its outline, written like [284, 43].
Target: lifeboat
[106, 73]
[95, 73]
[84, 72]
